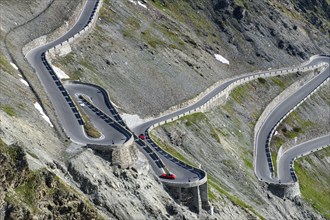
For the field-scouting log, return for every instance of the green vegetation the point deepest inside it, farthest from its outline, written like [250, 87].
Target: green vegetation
[75, 75]
[172, 36]
[314, 184]
[248, 163]
[214, 183]
[67, 59]
[151, 39]
[194, 118]
[5, 65]
[86, 63]
[90, 130]
[171, 150]
[13, 152]
[278, 142]
[295, 119]
[8, 109]
[183, 11]
[240, 93]
[27, 192]
[274, 160]
[106, 14]
[43, 186]
[132, 27]
[262, 80]
[278, 81]
[215, 135]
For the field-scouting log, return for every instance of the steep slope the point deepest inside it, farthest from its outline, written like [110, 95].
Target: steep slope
[171, 45]
[221, 140]
[27, 194]
[149, 59]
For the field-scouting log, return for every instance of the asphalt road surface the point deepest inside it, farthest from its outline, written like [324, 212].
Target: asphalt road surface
[114, 131]
[263, 165]
[285, 164]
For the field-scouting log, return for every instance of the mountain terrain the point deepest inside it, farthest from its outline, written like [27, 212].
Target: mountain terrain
[153, 56]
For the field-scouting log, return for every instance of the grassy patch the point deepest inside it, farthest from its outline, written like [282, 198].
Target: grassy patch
[278, 81]
[274, 160]
[5, 65]
[132, 25]
[278, 142]
[184, 12]
[195, 118]
[32, 154]
[90, 130]
[215, 135]
[314, 191]
[239, 94]
[8, 109]
[215, 184]
[151, 39]
[262, 80]
[171, 150]
[211, 195]
[86, 63]
[248, 163]
[67, 59]
[27, 192]
[171, 35]
[106, 14]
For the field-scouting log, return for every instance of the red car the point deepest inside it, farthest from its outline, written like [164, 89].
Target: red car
[170, 176]
[141, 136]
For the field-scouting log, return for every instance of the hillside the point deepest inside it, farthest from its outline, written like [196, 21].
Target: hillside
[221, 140]
[150, 56]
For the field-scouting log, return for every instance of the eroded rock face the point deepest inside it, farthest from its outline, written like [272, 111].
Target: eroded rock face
[13, 169]
[26, 194]
[124, 156]
[124, 193]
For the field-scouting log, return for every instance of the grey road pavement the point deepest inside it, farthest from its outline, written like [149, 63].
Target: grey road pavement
[285, 169]
[263, 166]
[105, 117]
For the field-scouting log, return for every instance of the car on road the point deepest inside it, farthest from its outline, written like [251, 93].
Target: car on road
[170, 176]
[141, 136]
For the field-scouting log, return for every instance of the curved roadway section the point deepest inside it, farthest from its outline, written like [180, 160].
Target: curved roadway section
[263, 162]
[96, 104]
[285, 170]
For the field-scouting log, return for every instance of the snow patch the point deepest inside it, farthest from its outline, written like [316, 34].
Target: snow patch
[131, 1]
[60, 74]
[142, 5]
[132, 120]
[13, 64]
[43, 115]
[24, 82]
[221, 58]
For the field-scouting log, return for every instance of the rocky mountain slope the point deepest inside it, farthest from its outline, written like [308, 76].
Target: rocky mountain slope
[171, 45]
[149, 59]
[27, 194]
[221, 140]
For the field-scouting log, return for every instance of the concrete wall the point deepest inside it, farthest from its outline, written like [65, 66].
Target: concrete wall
[195, 198]
[64, 47]
[210, 103]
[227, 90]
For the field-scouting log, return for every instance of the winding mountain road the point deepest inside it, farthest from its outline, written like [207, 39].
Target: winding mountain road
[285, 164]
[263, 163]
[115, 132]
